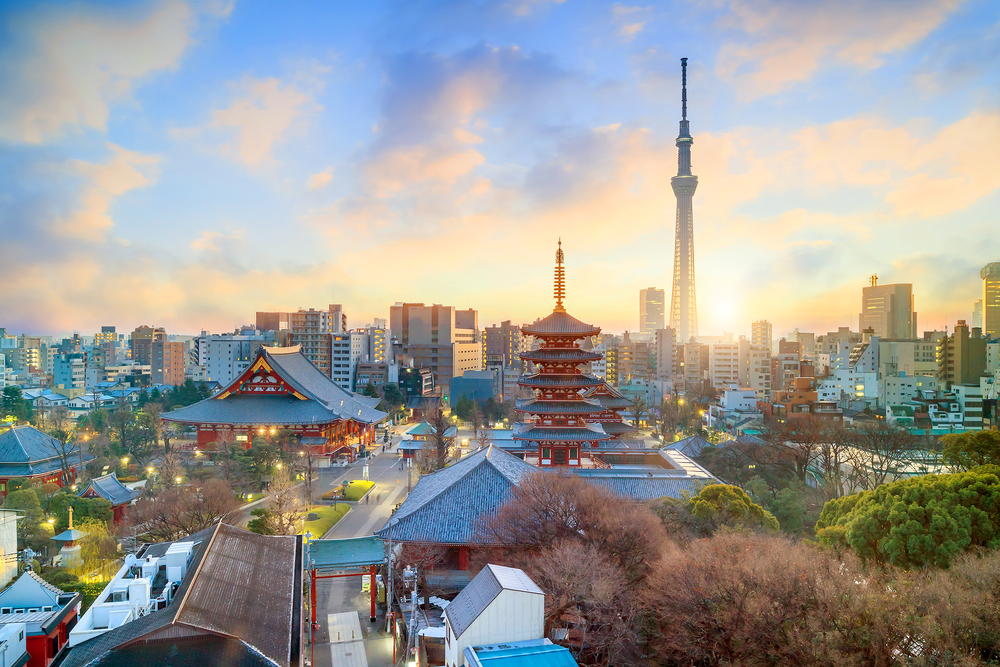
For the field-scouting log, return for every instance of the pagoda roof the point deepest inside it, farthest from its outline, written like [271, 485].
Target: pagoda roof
[560, 322]
[591, 432]
[609, 397]
[558, 380]
[618, 427]
[318, 399]
[541, 406]
[69, 535]
[568, 354]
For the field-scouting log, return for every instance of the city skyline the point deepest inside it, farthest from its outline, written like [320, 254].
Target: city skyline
[186, 180]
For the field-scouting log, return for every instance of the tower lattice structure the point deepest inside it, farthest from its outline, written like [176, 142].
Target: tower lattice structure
[683, 304]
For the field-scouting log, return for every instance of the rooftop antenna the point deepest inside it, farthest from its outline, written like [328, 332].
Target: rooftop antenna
[684, 88]
[875, 280]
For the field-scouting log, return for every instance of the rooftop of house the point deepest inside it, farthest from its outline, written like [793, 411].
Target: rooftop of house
[482, 591]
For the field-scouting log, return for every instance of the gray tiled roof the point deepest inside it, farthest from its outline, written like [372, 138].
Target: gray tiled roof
[540, 406]
[483, 590]
[690, 446]
[326, 402]
[445, 506]
[25, 451]
[109, 488]
[649, 488]
[573, 354]
[526, 431]
[558, 323]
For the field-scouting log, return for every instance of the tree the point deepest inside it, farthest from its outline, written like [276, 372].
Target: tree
[392, 399]
[463, 408]
[800, 439]
[283, 505]
[120, 423]
[63, 450]
[917, 522]
[730, 506]
[441, 443]
[59, 417]
[97, 509]
[639, 408]
[14, 404]
[26, 500]
[371, 391]
[178, 512]
[964, 451]
[878, 454]
[547, 509]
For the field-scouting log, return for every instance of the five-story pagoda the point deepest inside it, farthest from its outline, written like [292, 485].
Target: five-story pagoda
[555, 419]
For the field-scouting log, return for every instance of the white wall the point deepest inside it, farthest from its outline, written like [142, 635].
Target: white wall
[512, 617]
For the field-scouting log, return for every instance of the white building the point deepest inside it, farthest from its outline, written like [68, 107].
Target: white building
[226, 356]
[8, 546]
[500, 605]
[848, 384]
[899, 390]
[3, 372]
[135, 591]
[13, 645]
[724, 364]
[346, 350]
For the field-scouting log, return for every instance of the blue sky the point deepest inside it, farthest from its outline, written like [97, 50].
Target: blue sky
[185, 164]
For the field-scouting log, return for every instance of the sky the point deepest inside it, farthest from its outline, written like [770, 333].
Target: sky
[186, 164]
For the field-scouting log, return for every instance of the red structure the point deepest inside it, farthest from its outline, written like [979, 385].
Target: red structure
[116, 493]
[27, 453]
[558, 420]
[282, 390]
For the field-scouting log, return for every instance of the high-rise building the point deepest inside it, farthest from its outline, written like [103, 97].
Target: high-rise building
[224, 357]
[683, 305]
[977, 314]
[888, 310]
[441, 338]
[760, 335]
[991, 299]
[961, 357]
[633, 360]
[723, 364]
[167, 362]
[651, 307]
[272, 321]
[107, 335]
[141, 343]
[313, 331]
[502, 345]
[665, 353]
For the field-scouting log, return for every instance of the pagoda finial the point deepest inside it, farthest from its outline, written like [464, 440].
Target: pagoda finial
[71, 517]
[560, 287]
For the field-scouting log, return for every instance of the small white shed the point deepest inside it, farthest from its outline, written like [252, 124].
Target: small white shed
[500, 605]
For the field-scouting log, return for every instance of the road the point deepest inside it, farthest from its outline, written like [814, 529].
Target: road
[337, 596]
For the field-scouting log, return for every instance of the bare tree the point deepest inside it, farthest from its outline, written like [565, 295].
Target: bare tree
[800, 438]
[304, 463]
[441, 442]
[178, 512]
[59, 417]
[878, 454]
[61, 447]
[283, 504]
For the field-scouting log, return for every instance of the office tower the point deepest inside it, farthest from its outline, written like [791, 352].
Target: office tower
[888, 310]
[961, 357]
[683, 306]
[651, 306]
[141, 343]
[991, 299]
[441, 338]
[760, 335]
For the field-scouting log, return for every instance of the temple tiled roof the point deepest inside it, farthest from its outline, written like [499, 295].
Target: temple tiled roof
[556, 380]
[640, 487]
[25, 451]
[618, 428]
[574, 354]
[541, 433]
[325, 401]
[560, 323]
[540, 406]
[445, 506]
[109, 488]
[690, 446]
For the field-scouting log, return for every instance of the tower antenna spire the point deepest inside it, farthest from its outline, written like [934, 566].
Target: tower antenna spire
[559, 291]
[684, 88]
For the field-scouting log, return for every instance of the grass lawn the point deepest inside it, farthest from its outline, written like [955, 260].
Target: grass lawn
[328, 518]
[357, 489]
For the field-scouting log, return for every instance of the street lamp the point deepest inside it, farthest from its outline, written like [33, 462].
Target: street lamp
[125, 460]
[177, 479]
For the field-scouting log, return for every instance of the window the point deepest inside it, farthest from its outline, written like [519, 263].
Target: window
[572, 453]
[47, 608]
[5, 610]
[546, 453]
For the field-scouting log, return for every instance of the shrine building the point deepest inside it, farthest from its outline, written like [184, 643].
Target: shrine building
[282, 390]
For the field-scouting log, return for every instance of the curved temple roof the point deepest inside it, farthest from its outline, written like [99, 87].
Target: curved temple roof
[323, 402]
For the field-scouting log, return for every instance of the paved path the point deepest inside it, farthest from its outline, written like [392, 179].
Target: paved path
[340, 600]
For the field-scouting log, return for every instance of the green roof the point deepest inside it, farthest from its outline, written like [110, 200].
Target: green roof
[345, 553]
[546, 655]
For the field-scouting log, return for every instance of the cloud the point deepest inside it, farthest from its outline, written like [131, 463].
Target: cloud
[65, 69]
[528, 7]
[630, 20]
[260, 115]
[104, 183]
[925, 177]
[399, 168]
[785, 42]
[320, 179]
[219, 243]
